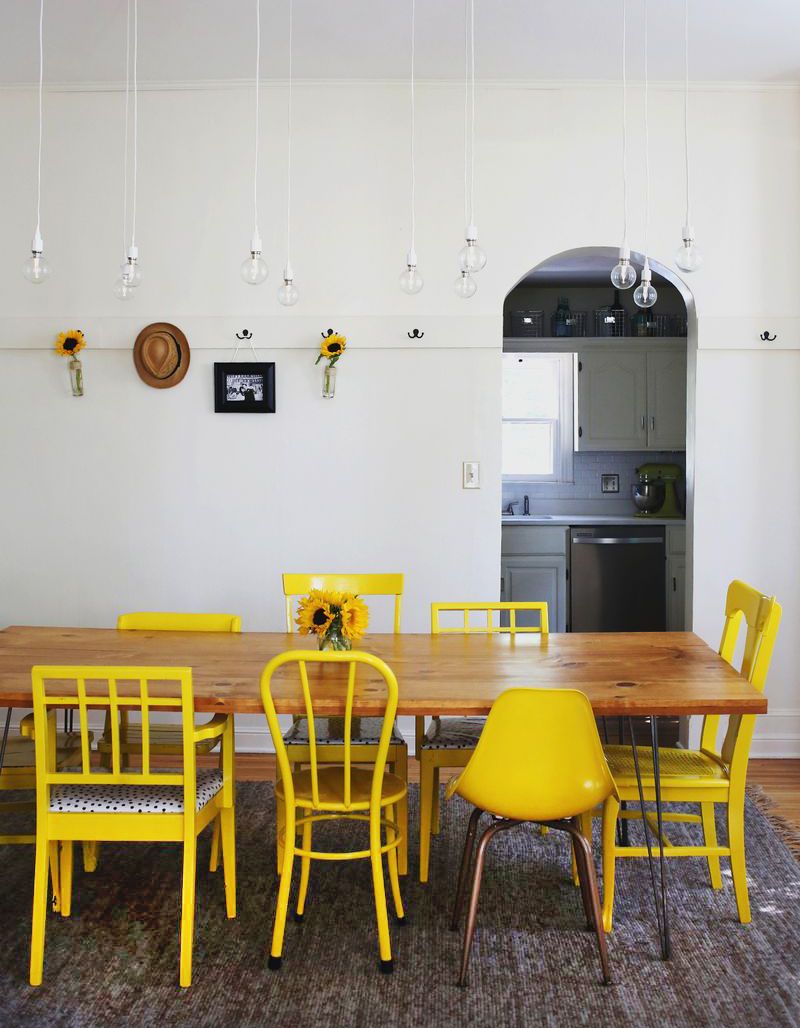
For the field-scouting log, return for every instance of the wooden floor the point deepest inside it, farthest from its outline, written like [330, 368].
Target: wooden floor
[779, 778]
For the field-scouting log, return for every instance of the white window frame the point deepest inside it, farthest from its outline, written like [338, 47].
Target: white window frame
[562, 426]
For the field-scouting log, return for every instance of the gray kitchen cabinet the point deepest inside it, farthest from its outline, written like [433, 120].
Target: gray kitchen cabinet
[666, 400]
[611, 401]
[676, 578]
[533, 567]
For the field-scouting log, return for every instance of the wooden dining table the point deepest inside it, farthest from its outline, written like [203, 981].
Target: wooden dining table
[643, 674]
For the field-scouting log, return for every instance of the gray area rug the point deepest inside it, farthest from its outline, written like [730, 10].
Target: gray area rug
[115, 961]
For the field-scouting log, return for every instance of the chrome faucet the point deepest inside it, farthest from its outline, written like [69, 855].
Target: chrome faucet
[526, 507]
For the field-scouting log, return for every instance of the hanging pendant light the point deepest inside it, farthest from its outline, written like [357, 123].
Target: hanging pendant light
[36, 269]
[287, 291]
[623, 275]
[645, 294]
[411, 281]
[471, 257]
[687, 256]
[130, 277]
[254, 268]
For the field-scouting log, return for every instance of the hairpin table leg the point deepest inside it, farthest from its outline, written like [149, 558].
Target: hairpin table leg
[5, 737]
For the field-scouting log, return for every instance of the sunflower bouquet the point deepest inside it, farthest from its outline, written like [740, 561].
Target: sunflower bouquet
[331, 349]
[69, 344]
[337, 619]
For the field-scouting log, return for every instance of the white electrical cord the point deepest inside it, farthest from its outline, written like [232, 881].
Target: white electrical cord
[686, 104]
[646, 140]
[625, 122]
[413, 130]
[469, 110]
[289, 143]
[255, 162]
[39, 156]
[127, 118]
[135, 117]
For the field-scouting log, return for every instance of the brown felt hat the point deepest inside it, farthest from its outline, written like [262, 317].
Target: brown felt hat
[161, 355]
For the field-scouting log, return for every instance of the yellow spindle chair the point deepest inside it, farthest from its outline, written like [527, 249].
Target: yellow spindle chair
[706, 776]
[126, 805]
[539, 758]
[366, 730]
[451, 741]
[336, 792]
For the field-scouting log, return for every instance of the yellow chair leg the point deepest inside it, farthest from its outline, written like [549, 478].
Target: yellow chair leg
[55, 874]
[39, 909]
[305, 868]
[282, 905]
[280, 819]
[227, 831]
[381, 915]
[65, 878]
[610, 813]
[402, 811]
[738, 868]
[392, 858]
[91, 853]
[436, 806]
[710, 837]
[187, 908]
[213, 862]
[425, 814]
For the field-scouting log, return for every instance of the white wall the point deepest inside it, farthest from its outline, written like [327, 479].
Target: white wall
[132, 497]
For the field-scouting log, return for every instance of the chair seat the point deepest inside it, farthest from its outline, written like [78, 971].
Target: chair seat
[331, 787]
[686, 765]
[163, 739]
[453, 733]
[364, 731]
[21, 753]
[132, 799]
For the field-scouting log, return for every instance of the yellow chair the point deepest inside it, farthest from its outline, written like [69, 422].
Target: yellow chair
[450, 742]
[706, 776]
[121, 805]
[365, 730]
[338, 792]
[539, 758]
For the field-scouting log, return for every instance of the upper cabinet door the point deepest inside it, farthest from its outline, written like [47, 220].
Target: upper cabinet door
[666, 400]
[611, 412]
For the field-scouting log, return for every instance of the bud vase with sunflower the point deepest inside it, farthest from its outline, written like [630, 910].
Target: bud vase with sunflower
[331, 349]
[337, 619]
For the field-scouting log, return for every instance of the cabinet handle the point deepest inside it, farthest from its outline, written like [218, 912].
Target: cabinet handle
[674, 585]
[503, 585]
[643, 423]
[652, 423]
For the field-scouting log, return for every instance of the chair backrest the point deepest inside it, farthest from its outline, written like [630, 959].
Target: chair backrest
[489, 626]
[762, 615]
[326, 678]
[113, 689]
[295, 586]
[151, 621]
[539, 757]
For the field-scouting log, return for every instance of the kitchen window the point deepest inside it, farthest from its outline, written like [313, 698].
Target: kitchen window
[537, 417]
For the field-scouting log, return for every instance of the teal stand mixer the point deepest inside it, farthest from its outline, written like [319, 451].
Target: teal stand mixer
[654, 494]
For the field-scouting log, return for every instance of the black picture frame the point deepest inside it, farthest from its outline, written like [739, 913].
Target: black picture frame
[253, 384]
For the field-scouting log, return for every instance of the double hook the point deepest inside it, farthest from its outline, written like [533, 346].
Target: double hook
[246, 334]
[416, 334]
[768, 338]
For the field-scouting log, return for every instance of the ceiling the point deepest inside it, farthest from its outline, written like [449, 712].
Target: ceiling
[197, 40]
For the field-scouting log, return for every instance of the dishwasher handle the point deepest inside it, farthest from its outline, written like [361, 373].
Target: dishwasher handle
[636, 540]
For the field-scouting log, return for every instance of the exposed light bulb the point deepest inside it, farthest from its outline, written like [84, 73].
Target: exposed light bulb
[254, 269]
[471, 258]
[688, 256]
[131, 272]
[645, 294]
[287, 292]
[465, 285]
[623, 275]
[36, 269]
[122, 290]
[411, 281]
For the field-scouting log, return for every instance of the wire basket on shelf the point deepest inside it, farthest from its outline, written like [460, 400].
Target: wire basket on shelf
[649, 324]
[609, 323]
[573, 325]
[529, 324]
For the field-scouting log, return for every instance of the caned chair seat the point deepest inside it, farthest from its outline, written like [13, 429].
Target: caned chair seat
[163, 739]
[365, 731]
[673, 763]
[453, 733]
[133, 799]
[331, 786]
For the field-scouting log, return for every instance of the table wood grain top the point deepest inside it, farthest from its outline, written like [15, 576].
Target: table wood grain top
[666, 673]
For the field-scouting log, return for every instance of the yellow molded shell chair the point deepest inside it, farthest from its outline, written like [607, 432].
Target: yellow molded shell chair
[365, 731]
[340, 792]
[114, 804]
[451, 741]
[539, 758]
[706, 776]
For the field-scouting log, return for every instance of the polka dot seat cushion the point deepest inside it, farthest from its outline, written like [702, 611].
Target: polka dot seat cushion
[365, 731]
[132, 799]
[453, 733]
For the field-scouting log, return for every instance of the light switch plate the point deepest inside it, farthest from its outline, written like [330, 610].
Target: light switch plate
[609, 483]
[471, 474]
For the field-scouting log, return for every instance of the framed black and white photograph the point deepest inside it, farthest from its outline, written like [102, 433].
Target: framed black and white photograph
[244, 388]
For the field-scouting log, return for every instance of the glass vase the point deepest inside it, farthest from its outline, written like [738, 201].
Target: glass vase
[76, 376]
[334, 640]
[328, 382]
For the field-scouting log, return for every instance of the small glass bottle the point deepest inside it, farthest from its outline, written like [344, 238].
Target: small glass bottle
[328, 382]
[76, 376]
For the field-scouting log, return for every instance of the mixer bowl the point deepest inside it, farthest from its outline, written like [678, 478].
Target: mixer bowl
[648, 497]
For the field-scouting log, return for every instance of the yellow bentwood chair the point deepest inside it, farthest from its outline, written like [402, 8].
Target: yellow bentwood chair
[366, 730]
[451, 741]
[336, 792]
[539, 758]
[133, 805]
[706, 776]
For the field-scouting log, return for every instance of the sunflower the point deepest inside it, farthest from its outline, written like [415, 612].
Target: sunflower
[355, 617]
[70, 342]
[332, 348]
[314, 614]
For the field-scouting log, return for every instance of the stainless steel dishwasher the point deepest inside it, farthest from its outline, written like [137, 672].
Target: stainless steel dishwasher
[618, 578]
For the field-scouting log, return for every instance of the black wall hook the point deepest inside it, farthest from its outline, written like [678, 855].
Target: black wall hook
[246, 334]
[325, 335]
[768, 338]
[416, 334]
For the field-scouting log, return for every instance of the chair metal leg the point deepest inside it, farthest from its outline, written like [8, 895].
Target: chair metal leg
[610, 814]
[379, 888]
[463, 874]
[580, 863]
[393, 862]
[305, 868]
[282, 904]
[594, 914]
[402, 812]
